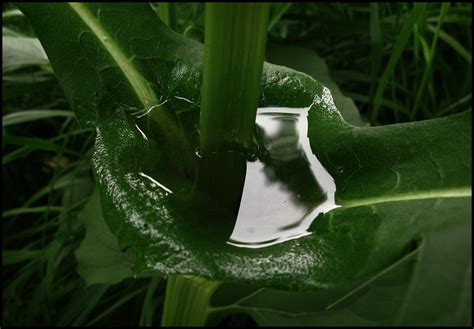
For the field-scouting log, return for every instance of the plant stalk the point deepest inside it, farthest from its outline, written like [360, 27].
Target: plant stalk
[187, 300]
[235, 39]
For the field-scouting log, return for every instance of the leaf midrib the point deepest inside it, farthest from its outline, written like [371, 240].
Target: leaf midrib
[444, 193]
[140, 86]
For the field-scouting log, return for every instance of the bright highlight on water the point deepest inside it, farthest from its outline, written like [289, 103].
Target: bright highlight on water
[273, 209]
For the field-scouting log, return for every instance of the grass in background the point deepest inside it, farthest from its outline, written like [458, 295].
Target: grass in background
[47, 179]
[399, 62]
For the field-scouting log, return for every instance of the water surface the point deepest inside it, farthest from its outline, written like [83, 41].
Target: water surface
[287, 187]
[267, 198]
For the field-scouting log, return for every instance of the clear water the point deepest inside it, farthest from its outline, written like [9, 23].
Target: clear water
[284, 193]
[270, 198]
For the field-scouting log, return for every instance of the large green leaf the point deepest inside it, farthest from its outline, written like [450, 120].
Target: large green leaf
[429, 286]
[397, 183]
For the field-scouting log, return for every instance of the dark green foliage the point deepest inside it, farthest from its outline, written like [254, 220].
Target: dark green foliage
[48, 179]
[393, 78]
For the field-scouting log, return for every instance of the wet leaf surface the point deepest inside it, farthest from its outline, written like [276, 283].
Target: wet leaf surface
[398, 184]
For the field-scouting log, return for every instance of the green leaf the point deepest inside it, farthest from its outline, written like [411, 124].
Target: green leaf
[396, 184]
[37, 143]
[425, 159]
[307, 61]
[33, 115]
[33, 210]
[367, 305]
[21, 51]
[99, 257]
[11, 13]
[412, 291]
[449, 269]
[7, 32]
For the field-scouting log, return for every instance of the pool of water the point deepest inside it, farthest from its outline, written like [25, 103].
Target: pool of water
[272, 196]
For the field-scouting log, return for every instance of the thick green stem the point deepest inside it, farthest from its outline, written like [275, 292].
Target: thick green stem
[235, 39]
[187, 300]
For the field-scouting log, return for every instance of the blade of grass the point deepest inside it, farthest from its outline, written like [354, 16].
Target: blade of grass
[62, 182]
[11, 257]
[276, 12]
[57, 172]
[36, 143]
[454, 105]
[148, 308]
[376, 44]
[392, 85]
[90, 303]
[24, 151]
[35, 229]
[416, 48]
[397, 50]
[453, 43]
[34, 210]
[349, 76]
[426, 55]
[385, 102]
[427, 71]
[33, 115]
[115, 305]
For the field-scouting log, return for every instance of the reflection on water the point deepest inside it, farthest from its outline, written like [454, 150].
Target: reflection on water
[287, 187]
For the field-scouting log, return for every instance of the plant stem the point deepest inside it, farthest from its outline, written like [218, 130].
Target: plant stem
[235, 39]
[187, 300]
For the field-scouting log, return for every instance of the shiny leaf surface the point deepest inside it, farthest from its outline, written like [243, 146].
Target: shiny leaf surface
[397, 184]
